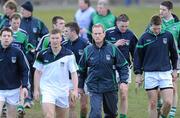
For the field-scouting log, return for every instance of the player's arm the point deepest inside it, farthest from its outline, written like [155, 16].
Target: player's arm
[82, 70]
[173, 57]
[37, 75]
[24, 72]
[72, 65]
[138, 60]
[132, 45]
[74, 77]
[121, 65]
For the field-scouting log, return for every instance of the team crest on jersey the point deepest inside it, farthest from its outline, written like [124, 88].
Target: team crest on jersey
[108, 57]
[35, 30]
[13, 59]
[61, 64]
[80, 52]
[165, 40]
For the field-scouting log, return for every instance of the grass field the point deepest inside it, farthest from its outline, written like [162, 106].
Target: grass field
[139, 18]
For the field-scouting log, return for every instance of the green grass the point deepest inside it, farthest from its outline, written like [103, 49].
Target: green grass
[139, 18]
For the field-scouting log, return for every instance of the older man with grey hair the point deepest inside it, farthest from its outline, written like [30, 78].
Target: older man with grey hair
[103, 15]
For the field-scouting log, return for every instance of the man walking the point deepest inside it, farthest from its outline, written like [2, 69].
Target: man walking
[100, 61]
[14, 71]
[126, 41]
[51, 77]
[157, 69]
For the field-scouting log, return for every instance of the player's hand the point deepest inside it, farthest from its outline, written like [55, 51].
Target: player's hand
[24, 92]
[123, 87]
[80, 91]
[73, 96]
[36, 95]
[139, 80]
[121, 42]
[174, 75]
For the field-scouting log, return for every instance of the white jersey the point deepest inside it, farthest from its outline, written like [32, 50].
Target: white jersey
[55, 70]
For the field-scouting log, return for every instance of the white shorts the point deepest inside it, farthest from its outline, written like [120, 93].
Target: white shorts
[11, 97]
[158, 79]
[129, 79]
[60, 101]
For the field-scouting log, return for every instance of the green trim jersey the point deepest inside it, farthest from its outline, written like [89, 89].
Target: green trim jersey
[43, 43]
[107, 21]
[20, 40]
[174, 28]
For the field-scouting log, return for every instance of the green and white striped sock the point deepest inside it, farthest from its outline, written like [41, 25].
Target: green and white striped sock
[172, 112]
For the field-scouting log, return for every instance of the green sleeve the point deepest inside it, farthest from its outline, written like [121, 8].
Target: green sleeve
[45, 43]
[26, 43]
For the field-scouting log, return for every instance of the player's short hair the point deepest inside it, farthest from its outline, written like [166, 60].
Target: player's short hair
[156, 20]
[6, 29]
[103, 3]
[167, 4]
[55, 18]
[16, 16]
[87, 2]
[98, 25]
[73, 27]
[123, 18]
[55, 31]
[11, 4]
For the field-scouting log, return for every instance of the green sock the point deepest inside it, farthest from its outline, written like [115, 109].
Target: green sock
[20, 107]
[172, 112]
[122, 116]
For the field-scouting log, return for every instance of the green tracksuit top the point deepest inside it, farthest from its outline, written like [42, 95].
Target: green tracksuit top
[21, 40]
[174, 28]
[107, 21]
